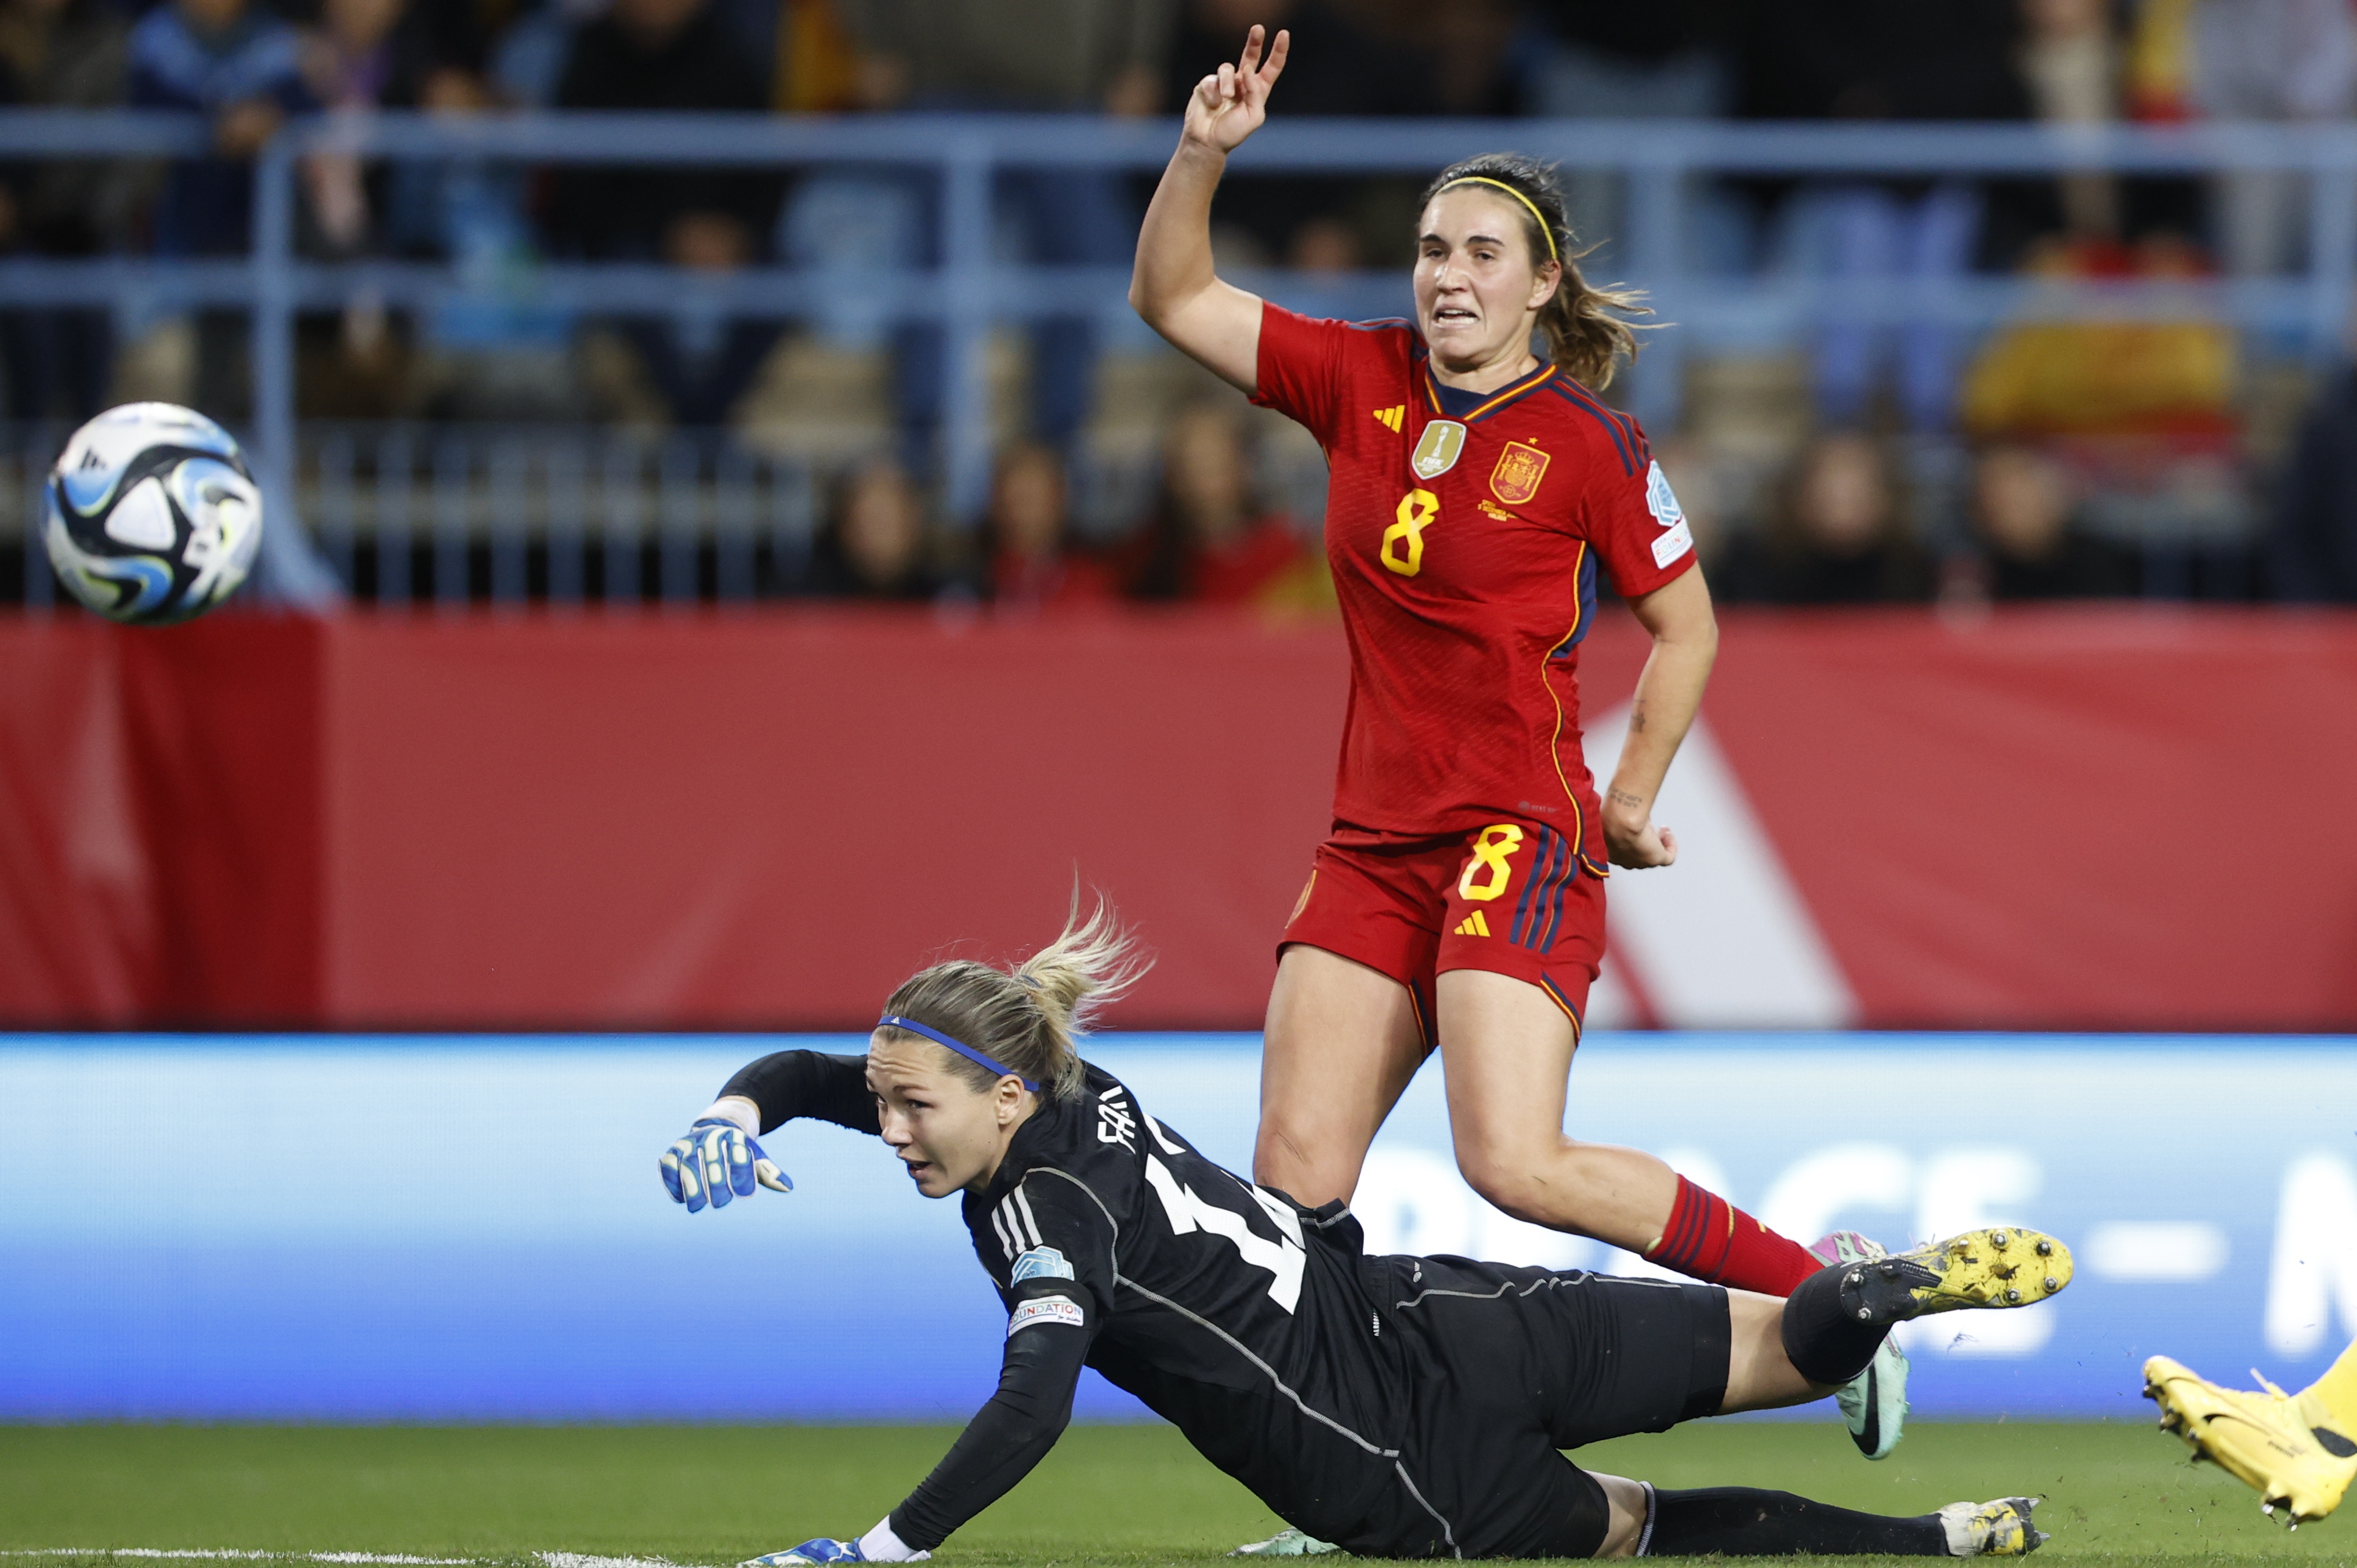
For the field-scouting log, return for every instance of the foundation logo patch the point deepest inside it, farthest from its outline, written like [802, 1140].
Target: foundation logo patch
[1516, 477]
[1046, 1309]
[1438, 448]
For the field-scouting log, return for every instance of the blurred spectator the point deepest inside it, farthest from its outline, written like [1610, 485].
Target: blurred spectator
[2312, 536]
[2270, 59]
[1207, 542]
[243, 69]
[1337, 66]
[818, 68]
[874, 545]
[1865, 59]
[2030, 543]
[2070, 62]
[671, 55]
[2157, 77]
[1838, 539]
[1667, 61]
[1032, 564]
[1088, 56]
[1045, 56]
[1611, 61]
[1471, 49]
[60, 54]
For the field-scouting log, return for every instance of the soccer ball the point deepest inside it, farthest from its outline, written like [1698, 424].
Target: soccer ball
[152, 516]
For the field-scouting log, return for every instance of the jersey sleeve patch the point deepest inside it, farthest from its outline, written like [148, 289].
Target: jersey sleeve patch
[1661, 501]
[1040, 1263]
[1046, 1309]
[1668, 547]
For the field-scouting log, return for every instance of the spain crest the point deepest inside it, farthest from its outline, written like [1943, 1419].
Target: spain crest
[1516, 477]
[1436, 448]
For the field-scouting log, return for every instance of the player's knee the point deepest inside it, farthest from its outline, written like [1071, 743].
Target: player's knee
[1512, 1184]
[1302, 1164]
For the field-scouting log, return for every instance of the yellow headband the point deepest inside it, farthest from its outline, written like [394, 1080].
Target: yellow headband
[1545, 227]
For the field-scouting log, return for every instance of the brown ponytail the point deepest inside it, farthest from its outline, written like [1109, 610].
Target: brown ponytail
[1584, 336]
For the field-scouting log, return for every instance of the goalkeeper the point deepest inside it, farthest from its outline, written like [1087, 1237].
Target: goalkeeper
[1395, 1407]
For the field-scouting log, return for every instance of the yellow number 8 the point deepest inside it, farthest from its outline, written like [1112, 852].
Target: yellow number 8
[1492, 850]
[1417, 511]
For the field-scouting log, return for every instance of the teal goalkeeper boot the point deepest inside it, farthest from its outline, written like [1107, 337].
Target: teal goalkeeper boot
[1874, 1403]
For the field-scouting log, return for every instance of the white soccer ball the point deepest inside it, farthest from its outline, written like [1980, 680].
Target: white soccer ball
[152, 516]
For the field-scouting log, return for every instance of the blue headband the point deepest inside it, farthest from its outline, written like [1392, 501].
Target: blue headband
[894, 1021]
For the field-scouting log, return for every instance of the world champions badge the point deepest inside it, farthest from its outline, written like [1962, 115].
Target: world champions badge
[1436, 448]
[1516, 477]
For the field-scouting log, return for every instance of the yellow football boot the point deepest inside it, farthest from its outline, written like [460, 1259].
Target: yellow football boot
[2288, 1448]
[1999, 1267]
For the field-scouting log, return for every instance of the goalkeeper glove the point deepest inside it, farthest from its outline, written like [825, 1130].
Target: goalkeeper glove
[717, 1160]
[809, 1552]
[878, 1545]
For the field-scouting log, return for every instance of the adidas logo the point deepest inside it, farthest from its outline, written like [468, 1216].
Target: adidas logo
[1392, 419]
[1473, 925]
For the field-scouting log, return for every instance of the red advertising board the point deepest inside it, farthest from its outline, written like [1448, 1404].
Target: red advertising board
[2105, 819]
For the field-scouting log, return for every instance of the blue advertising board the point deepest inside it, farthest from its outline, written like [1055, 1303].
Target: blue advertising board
[365, 1228]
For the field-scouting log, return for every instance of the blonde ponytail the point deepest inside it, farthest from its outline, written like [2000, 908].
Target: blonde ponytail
[1583, 325]
[1027, 1019]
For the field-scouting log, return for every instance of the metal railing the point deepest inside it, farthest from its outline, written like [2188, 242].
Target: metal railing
[969, 290]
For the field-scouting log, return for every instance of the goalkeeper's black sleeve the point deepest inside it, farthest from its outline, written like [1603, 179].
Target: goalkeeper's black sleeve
[1006, 1438]
[1741, 1522]
[808, 1083]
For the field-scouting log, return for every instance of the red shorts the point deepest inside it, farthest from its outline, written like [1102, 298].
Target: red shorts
[1514, 898]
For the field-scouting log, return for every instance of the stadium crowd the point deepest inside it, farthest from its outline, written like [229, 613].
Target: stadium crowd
[2042, 460]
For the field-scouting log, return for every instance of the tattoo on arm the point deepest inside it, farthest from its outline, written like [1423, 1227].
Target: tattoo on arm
[1623, 798]
[1637, 718]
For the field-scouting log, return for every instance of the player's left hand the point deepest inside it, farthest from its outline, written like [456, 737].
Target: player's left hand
[809, 1552]
[715, 1161]
[1635, 844]
[829, 1551]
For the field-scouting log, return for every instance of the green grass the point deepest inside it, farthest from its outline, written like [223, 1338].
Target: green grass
[1117, 1495]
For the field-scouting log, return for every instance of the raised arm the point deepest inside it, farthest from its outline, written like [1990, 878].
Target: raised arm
[1173, 287]
[1669, 693]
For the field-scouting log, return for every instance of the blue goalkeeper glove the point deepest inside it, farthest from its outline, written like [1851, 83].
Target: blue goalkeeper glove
[878, 1545]
[809, 1552]
[715, 1161]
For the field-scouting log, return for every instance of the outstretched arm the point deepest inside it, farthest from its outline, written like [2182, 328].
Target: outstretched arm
[1060, 1294]
[1669, 694]
[1006, 1437]
[788, 1084]
[717, 1159]
[1174, 286]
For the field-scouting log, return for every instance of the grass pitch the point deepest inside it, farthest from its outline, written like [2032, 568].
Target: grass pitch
[1128, 1496]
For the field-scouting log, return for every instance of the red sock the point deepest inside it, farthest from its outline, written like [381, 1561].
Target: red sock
[1712, 1239]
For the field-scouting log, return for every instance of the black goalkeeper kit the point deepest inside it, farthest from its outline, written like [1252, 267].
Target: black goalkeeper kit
[1399, 1406]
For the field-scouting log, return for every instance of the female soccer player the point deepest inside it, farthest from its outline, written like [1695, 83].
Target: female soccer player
[1408, 1407]
[1476, 493]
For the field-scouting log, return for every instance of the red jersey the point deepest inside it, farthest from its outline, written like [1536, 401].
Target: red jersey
[1465, 533]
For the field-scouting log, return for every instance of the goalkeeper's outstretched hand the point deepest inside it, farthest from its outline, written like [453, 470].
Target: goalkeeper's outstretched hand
[715, 1161]
[828, 1551]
